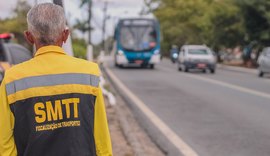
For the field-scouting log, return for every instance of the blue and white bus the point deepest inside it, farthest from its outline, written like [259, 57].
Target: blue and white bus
[137, 41]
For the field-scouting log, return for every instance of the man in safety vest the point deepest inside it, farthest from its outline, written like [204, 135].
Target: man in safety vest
[52, 105]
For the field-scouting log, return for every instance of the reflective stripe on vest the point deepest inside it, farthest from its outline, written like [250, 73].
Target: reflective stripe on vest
[52, 80]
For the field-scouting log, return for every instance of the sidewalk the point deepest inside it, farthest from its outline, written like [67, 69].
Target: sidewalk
[128, 137]
[120, 145]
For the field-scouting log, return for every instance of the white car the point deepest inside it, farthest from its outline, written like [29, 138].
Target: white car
[196, 57]
[264, 62]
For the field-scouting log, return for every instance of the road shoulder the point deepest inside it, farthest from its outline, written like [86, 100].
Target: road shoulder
[128, 137]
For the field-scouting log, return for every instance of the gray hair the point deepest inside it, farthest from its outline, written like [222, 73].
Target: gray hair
[46, 22]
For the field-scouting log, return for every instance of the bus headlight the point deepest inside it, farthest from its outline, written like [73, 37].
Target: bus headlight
[175, 55]
[156, 51]
[120, 52]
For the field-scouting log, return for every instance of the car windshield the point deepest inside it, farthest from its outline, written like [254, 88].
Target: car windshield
[198, 51]
[138, 38]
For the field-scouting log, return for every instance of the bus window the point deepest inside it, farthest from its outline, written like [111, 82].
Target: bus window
[138, 38]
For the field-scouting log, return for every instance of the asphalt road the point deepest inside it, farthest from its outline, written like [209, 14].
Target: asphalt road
[222, 114]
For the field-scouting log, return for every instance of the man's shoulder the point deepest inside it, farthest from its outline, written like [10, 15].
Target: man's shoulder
[17, 70]
[85, 65]
[35, 67]
[19, 67]
[84, 62]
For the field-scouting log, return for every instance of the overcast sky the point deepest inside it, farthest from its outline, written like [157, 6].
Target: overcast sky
[116, 9]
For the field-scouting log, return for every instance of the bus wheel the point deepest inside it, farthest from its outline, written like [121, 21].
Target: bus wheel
[260, 74]
[152, 66]
[115, 64]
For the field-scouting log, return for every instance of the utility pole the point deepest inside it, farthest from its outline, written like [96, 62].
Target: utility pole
[89, 52]
[104, 24]
[89, 21]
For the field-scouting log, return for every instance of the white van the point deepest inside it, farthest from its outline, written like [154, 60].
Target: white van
[196, 57]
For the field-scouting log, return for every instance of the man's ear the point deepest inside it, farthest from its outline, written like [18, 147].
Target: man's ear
[65, 35]
[29, 37]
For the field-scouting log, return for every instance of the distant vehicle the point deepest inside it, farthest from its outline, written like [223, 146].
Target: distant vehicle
[174, 51]
[264, 62]
[137, 41]
[11, 54]
[196, 57]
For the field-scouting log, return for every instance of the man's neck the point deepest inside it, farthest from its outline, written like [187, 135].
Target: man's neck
[38, 46]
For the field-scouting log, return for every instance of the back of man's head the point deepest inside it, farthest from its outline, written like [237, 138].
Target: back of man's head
[46, 22]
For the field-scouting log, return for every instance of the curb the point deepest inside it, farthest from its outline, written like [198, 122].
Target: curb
[125, 125]
[237, 69]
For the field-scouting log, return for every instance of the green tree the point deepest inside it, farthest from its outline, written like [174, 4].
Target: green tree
[221, 24]
[256, 26]
[79, 48]
[256, 20]
[17, 24]
[212, 22]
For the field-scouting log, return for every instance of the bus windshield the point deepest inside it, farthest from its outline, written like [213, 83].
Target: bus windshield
[138, 38]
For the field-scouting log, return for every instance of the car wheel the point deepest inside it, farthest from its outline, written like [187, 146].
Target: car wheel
[186, 69]
[260, 74]
[204, 70]
[115, 64]
[120, 65]
[179, 67]
[212, 71]
[152, 66]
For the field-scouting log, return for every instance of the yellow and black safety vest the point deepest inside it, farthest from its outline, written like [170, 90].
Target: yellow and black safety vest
[52, 105]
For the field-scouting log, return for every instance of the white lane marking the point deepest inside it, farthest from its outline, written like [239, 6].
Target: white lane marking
[224, 84]
[231, 86]
[183, 147]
